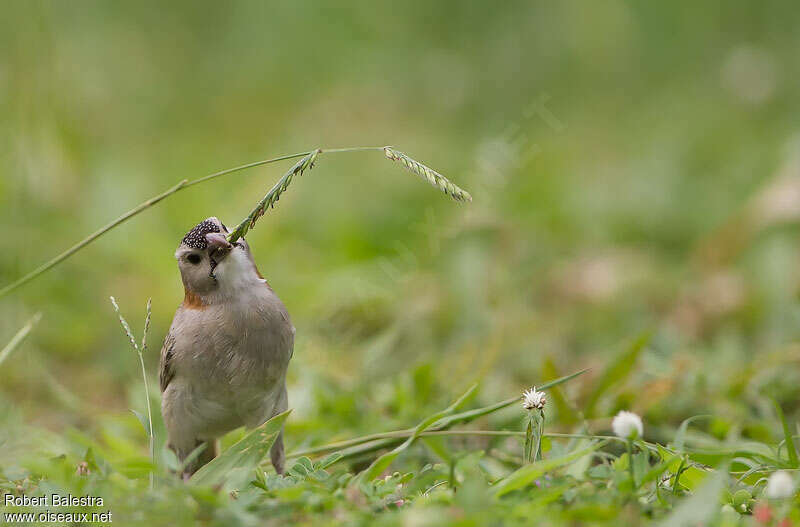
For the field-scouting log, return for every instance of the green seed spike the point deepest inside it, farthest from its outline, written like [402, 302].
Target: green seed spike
[433, 177]
[274, 194]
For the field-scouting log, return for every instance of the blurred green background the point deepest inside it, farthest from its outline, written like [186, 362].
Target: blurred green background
[634, 166]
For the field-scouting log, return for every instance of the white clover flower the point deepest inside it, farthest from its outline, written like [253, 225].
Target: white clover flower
[780, 485]
[532, 399]
[627, 425]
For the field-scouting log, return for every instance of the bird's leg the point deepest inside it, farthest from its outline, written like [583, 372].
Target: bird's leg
[209, 452]
[276, 453]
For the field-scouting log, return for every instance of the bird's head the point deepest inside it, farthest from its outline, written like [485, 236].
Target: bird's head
[210, 266]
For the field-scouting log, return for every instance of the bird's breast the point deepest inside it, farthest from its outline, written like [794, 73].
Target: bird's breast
[241, 344]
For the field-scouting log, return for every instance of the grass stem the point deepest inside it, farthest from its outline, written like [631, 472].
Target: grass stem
[433, 176]
[139, 351]
[89, 239]
[537, 451]
[17, 339]
[629, 444]
[404, 434]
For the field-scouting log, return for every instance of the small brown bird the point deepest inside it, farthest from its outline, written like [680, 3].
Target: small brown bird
[224, 360]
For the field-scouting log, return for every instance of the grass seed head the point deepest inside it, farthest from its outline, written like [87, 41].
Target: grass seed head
[433, 177]
[274, 194]
[124, 324]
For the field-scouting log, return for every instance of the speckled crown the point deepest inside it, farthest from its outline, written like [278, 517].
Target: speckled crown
[196, 238]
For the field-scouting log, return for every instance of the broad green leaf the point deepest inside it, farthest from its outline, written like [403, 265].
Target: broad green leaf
[365, 448]
[525, 475]
[700, 506]
[91, 459]
[142, 419]
[578, 469]
[302, 467]
[692, 477]
[194, 454]
[235, 466]
[171, 460]
[741, 498]
[641, 465]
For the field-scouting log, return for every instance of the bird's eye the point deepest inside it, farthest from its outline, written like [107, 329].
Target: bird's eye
[194, 258]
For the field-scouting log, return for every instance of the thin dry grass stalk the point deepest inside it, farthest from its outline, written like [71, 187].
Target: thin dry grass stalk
[139, 350]
[125, 326]
[148, 316]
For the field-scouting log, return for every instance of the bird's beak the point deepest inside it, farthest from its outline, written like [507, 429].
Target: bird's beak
[218, 246]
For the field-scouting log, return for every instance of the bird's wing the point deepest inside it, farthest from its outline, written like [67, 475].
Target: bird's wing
[167, 368]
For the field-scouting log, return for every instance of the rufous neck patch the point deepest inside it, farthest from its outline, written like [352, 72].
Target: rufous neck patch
[192, 301]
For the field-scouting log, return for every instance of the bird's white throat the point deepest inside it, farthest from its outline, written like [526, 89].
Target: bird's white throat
[236, 274]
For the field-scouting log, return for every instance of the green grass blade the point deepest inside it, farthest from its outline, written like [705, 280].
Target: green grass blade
[370, 443]
[617, 371]
[701, 505]
[143, 420]
[194, 454]
[235, 466]
[471, 415]
[17, 339]
[435, 178]
[566, 412]
[525, 475]
[384, 461]
[680, 436]
[366, 448]
[791, 448]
